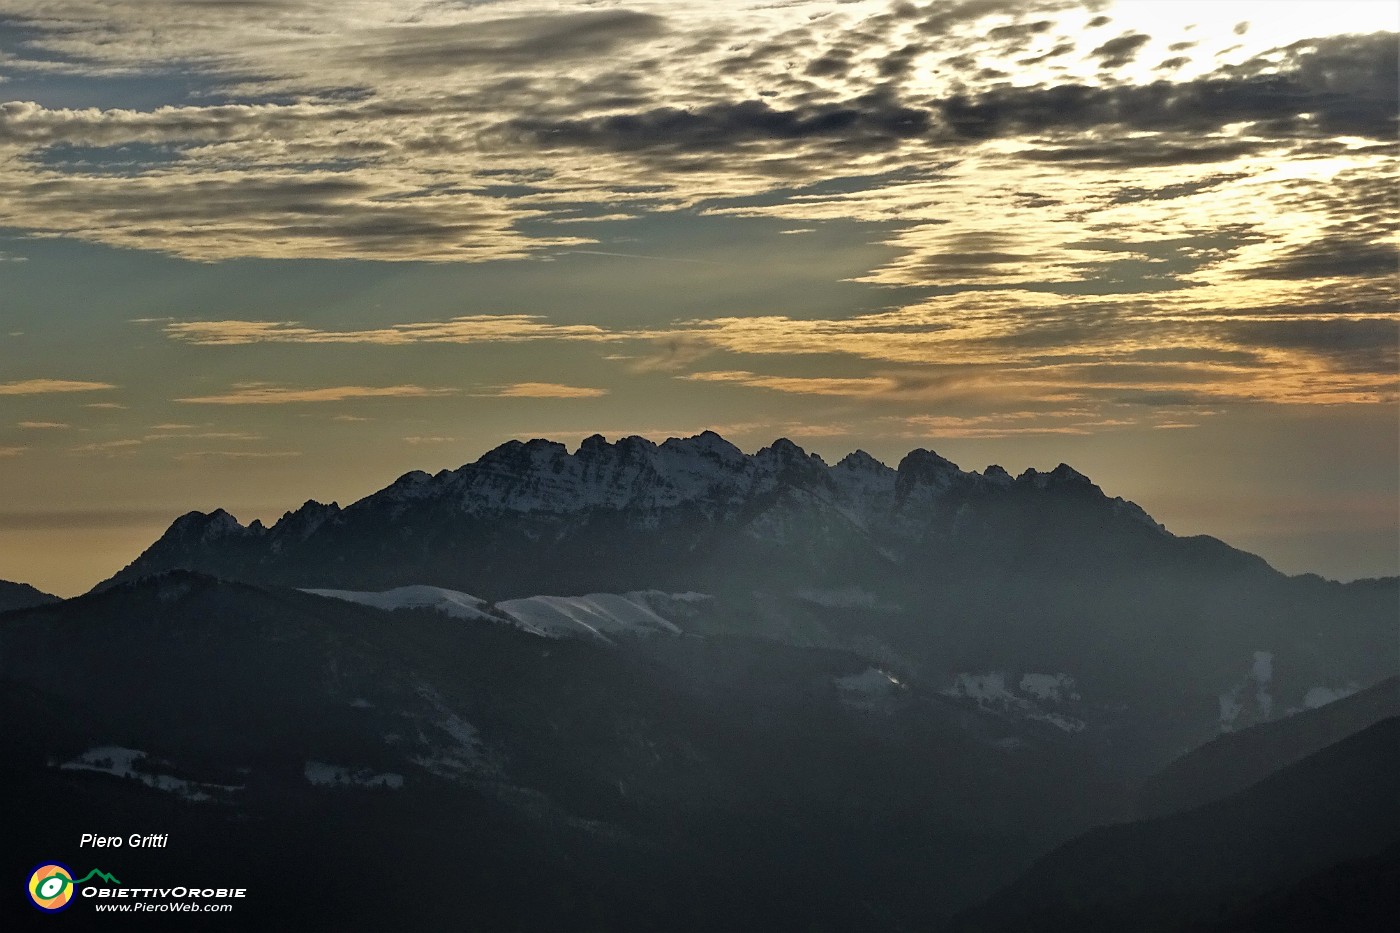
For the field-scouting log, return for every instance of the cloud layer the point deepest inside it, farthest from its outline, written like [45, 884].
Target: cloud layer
[1077, 202]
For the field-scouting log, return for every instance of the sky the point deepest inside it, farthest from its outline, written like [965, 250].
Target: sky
[254, 252]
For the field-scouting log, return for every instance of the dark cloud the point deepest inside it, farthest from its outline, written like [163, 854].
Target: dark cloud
[1357, 224]
[1118, 52]
[338, 212]
[1063, 48]
[1143, 266]
[1159, 398]
[868, 122]
[504, 43]
[1364, 346]
[1346, 85]
[898, 63]
[975, 255]
[1133, 193]
[834, 63]
[1019, 31]
[1034, 199]
[939, 18]
[1196, 355]
[1337, 254]
[1144, 152]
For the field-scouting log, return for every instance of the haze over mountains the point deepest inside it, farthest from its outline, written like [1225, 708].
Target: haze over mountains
[926, 567]
[695, 688]
[1202, 868]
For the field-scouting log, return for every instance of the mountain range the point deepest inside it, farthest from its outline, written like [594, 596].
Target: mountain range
[644, 686]
[934, 571]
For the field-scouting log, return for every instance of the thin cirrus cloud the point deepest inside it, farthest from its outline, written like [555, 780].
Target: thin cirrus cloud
[44, 425]
[799, 385]
[200, 455]
[262, 394]
[480, 328]
[1291, 345]
[50, 386]
[129, 445]
[1014, 424]
[109, 447]
[546, 390]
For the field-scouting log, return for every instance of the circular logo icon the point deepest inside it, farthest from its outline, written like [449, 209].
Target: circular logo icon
[51, 887]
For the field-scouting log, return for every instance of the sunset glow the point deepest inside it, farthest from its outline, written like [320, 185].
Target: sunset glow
[1154, 238]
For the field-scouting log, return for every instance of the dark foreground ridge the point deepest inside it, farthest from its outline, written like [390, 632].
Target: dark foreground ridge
[1317, 822]
[22, 596]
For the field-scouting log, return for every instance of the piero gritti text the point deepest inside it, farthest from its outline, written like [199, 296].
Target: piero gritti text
[133, 841]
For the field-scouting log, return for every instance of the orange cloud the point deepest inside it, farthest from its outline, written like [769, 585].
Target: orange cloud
[800, 385]
[238, 455]
[46, 386]
[476, 328]
[548, 390]
[257, 394]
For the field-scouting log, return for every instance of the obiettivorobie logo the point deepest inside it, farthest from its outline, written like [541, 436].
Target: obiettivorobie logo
[52, 888]
[51, 885]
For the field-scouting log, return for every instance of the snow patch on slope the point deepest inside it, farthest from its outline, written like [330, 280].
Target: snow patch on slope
[866, 689]
[1233, 702]
[596, 616]
[327, 775]
[986, 688]
[1263, 672]
[449, 602]
[121, 762]
[466, 755]
[1049, 686]
[1321, 696]
[997, 691]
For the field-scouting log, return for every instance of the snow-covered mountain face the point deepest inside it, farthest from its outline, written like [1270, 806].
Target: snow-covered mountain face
[600, 617]
[684, 508]
[651, 484]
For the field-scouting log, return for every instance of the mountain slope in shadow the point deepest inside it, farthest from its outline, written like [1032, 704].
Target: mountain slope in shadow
[1236, 760]
[1195, 869]
[327, 755]
[22, 596]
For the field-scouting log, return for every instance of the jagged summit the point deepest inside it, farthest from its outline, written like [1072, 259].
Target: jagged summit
[632, 513]
[541, 475]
